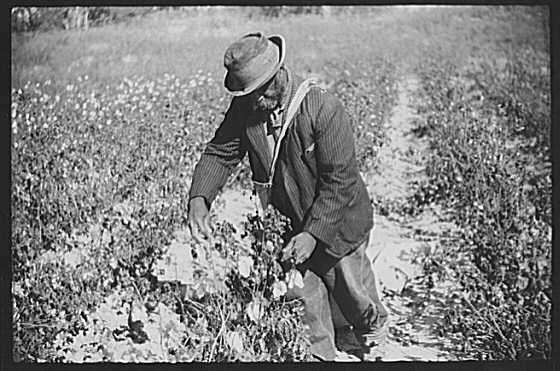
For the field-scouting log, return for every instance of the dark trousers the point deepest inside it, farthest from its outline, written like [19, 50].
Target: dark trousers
[338, 293]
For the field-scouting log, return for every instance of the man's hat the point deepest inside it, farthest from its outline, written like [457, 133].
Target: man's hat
[252, 61]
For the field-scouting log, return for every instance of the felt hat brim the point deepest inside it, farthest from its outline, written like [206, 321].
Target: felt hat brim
[230, 80]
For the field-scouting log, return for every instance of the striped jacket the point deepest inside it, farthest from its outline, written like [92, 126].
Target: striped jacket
[317, 183]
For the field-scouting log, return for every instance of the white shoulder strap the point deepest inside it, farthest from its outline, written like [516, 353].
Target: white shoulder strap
[301, 92]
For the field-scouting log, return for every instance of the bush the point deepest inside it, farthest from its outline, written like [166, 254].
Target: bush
[25, 19]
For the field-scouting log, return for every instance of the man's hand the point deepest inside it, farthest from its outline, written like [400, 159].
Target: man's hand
[299, 248]
[198, 219]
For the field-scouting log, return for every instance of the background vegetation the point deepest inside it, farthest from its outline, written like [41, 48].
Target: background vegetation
[108, 122]
[488, 119]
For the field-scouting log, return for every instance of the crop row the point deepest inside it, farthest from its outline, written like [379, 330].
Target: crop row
[488, 122]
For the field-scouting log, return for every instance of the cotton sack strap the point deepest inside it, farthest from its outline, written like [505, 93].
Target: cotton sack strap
[263, 190]
[301, 92]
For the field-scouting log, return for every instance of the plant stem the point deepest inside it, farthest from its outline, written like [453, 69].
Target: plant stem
[137, 290]
[222, 327]
[495, 325]
[163, 352]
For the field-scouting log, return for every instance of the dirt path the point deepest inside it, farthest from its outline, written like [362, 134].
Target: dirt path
[395, 241]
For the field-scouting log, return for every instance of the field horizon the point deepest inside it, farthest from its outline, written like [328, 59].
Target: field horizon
[181, 44]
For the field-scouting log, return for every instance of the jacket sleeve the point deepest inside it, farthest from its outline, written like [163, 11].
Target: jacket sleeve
[336, 166]
[221, 155]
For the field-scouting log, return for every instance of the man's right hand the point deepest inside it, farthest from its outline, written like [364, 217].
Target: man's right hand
[199, 219]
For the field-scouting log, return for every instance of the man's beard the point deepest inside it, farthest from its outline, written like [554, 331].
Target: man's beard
[266, 104]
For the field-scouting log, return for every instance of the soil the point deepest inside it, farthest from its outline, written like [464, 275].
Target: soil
[396, 241]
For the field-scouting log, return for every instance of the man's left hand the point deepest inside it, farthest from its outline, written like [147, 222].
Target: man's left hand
[299, 248]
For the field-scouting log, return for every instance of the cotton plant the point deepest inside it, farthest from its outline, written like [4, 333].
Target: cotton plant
[235, 293]
[261, 263]
[259, 320]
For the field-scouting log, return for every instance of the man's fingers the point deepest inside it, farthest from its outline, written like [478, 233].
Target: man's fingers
[199, 228]
[299, 256]
[302, 255]
[195, 233]
[205, 227]
[190, 225]
[288, 251]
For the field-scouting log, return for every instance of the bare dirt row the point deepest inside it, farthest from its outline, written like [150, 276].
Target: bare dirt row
[397, 241]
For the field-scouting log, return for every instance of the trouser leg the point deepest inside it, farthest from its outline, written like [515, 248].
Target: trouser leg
[317, 315]
[338, 319]
[344, 337]
[352, 284]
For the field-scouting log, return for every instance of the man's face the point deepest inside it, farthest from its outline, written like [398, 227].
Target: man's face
[266, 98]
